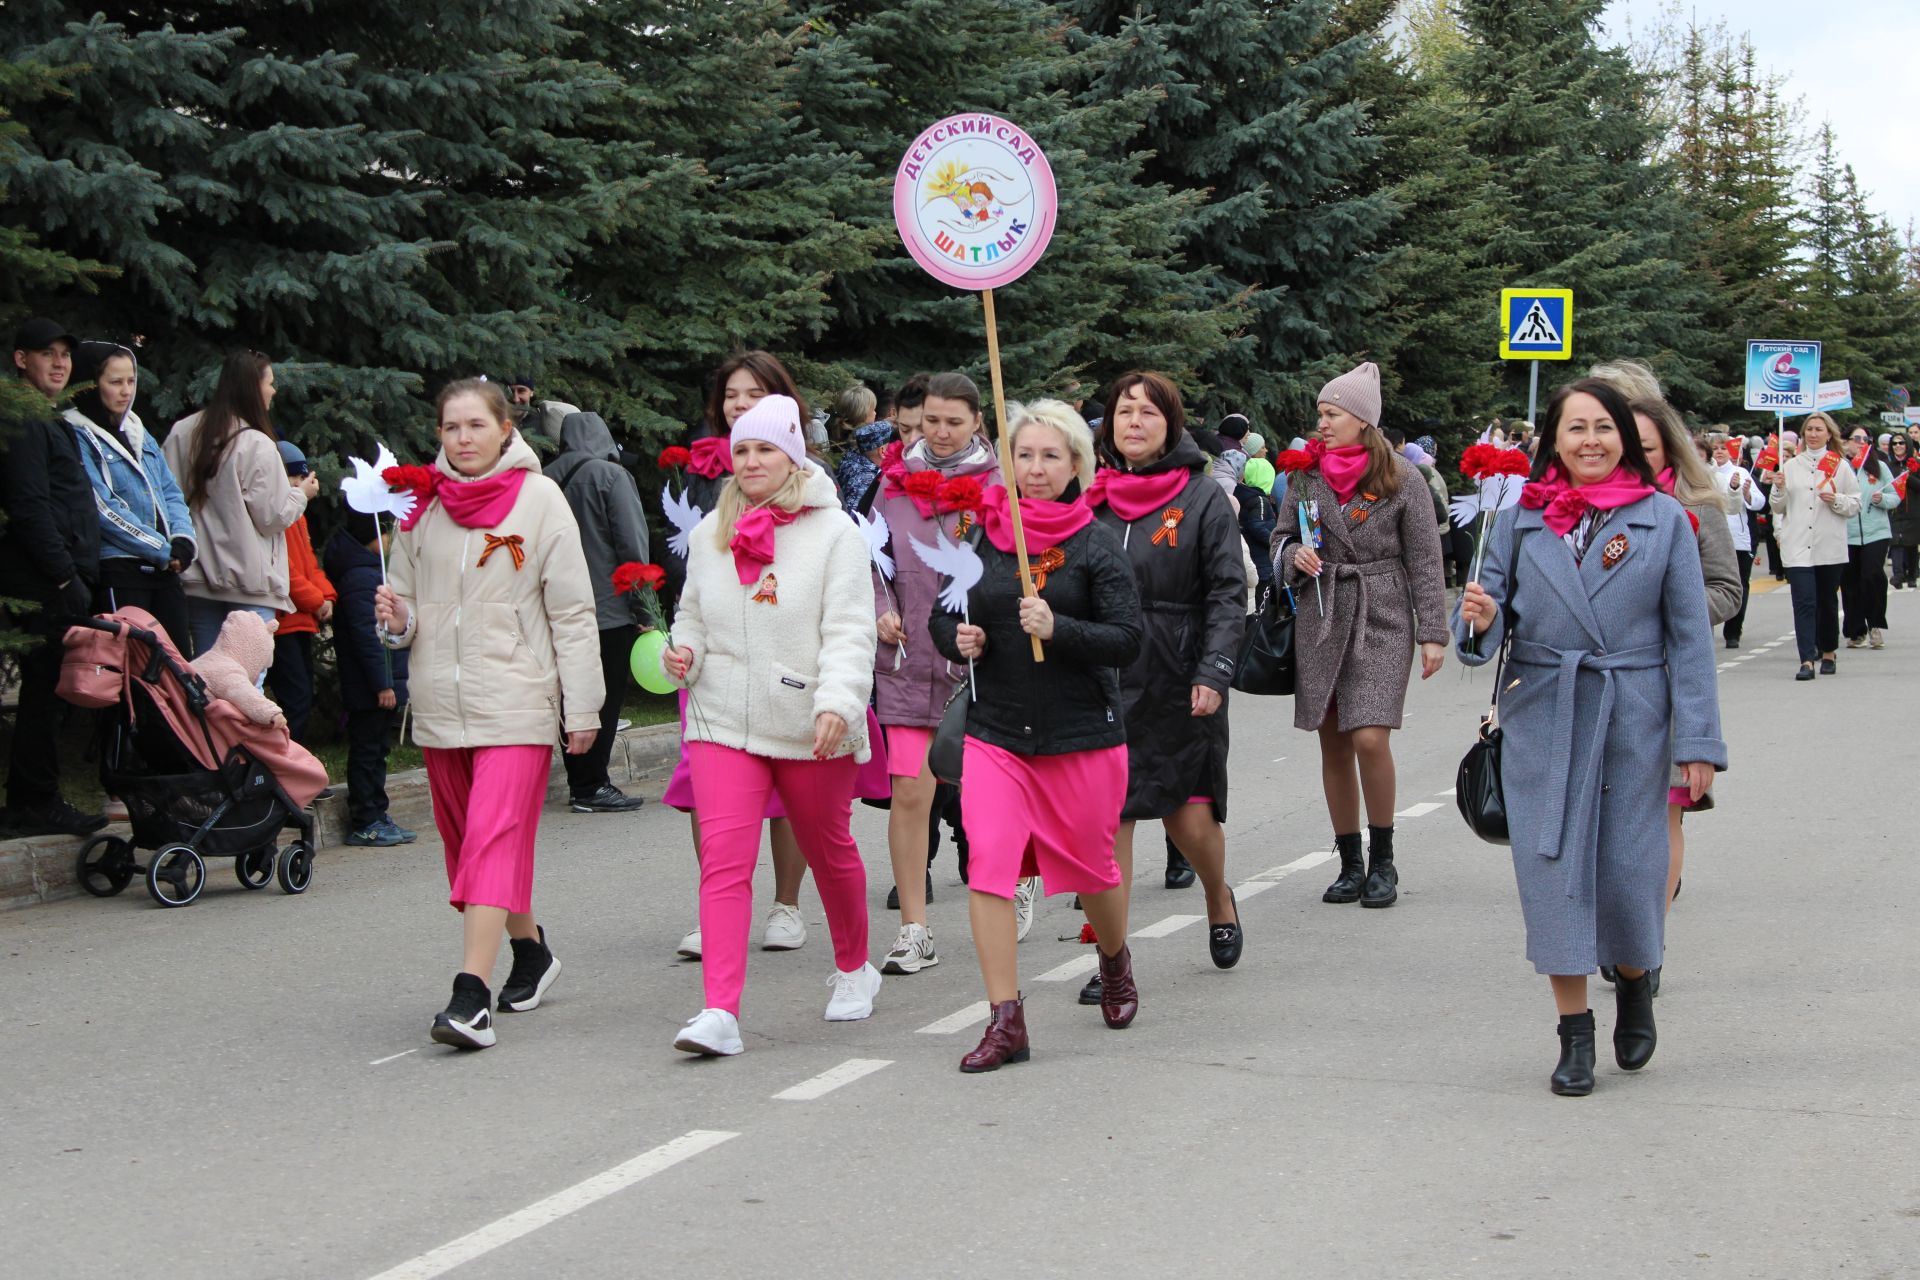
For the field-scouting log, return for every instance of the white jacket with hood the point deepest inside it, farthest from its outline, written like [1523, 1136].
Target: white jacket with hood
[768, 657]
[505, 653]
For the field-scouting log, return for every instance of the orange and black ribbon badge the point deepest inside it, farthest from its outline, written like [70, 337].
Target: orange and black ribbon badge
[1359, 512]
[1614, 552]
[1169, 530]
[1049, 562]
[769, 592]
[964, 526]
[515, 546]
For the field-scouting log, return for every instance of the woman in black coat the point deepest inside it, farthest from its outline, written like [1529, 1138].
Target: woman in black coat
[1180, 534]
[1045, 764]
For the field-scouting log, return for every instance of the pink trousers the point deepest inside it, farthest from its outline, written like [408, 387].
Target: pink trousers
[730, 790]
[486, 803]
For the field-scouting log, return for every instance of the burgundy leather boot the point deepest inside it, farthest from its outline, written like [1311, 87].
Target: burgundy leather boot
[1005, 1041]
[1119, 998]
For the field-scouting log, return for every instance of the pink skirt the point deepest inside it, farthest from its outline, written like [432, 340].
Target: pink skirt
[907, 750]
[871, 783]
[1050, 816]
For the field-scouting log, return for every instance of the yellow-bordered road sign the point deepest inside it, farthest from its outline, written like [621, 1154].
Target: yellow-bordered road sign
[1536, 324]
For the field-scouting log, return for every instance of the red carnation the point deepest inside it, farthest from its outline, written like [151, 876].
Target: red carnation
[1509, 462]
[675, 456]
[421, 480]
[645, 581]
[1913, 464]
[1291, 460]
[1476, 457]
[924, 485]
[962, 493]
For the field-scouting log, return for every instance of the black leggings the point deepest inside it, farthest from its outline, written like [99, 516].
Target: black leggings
[1863, 589]
[1816, 609]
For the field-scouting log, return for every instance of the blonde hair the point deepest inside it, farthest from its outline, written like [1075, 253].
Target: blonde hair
[1692, 483]
[853, 409]
[1633, 379]
[1826, 420]
[1059, 415]
[733, 503]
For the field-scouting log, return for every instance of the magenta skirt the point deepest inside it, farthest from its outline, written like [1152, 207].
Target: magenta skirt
[871, 783]
[1050, 816]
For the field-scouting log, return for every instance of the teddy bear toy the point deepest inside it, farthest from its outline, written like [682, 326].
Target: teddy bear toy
[231, 668]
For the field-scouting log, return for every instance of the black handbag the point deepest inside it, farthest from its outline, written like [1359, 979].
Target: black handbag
[1477, 789]
[948, 749]
[1266, 664]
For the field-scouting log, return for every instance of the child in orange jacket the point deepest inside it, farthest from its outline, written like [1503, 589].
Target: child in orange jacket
[291, 675]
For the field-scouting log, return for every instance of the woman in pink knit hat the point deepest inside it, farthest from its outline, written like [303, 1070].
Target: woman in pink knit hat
[1357, 544]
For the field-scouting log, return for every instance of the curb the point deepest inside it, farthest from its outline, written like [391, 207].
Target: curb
[41, 869]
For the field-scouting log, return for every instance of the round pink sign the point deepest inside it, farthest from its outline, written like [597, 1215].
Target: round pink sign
[975, 202]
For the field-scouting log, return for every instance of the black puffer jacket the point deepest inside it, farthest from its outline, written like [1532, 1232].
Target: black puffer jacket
[1072, 701]
[1193, 600]
[52, 533]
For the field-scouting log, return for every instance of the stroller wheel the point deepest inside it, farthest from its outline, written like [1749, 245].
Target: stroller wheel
[105, 866]
[296, 867]
[176, 875]
[255, 869]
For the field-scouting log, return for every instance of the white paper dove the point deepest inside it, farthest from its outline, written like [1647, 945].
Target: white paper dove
[684, 516]
[367, 490]
[957, 562]
[1496, 493]
[877, 534]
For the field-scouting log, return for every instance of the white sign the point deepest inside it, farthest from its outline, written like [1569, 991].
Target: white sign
[1834, 396]
[1893, 419]
[1782, 377]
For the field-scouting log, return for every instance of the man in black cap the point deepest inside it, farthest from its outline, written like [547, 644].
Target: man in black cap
[531, 415]
[49, 557]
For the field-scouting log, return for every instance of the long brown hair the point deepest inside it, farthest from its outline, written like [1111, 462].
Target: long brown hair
[237, 404]
[1383, 470]
[766, 370]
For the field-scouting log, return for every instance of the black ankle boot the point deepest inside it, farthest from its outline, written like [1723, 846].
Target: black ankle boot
[1573, 1078]
[1633, 1032]
[1383, 882]
[1353, 870]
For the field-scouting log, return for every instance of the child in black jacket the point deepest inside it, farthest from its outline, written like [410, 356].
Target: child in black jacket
[373, 681]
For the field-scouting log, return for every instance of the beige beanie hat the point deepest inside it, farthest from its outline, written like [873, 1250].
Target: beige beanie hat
[1357, 391]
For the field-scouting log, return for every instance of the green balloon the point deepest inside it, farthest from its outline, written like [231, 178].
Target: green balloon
[647, 652]
[1259, 474]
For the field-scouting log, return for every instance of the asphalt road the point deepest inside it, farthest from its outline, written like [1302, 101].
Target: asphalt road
[244, 1088]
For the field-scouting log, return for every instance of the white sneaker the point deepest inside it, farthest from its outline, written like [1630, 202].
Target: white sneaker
[690, 945]
[786, 931]
[1024, 895]
[912, 951]
[1876, 638]
[853, 994]
[712, 1032]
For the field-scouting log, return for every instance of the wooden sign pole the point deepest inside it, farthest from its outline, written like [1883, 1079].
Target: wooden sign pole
[1006, 460]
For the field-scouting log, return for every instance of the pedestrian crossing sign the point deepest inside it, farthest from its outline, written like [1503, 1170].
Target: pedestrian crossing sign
[1536, 324]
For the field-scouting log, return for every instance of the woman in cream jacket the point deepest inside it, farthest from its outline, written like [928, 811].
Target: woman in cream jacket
[1815, 495]
[488, 587]
[774, 641]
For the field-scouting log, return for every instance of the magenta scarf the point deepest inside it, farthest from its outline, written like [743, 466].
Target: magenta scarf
[752, 541]
[1561, 503]
[1046, 523]
[712, 457]
[473, 504]
[1133, 496]
[1343, 469]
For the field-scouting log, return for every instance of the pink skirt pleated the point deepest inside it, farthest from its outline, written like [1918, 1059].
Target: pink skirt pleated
[1050, 816]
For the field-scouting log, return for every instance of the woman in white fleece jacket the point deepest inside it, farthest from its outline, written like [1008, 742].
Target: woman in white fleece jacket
[774, 640]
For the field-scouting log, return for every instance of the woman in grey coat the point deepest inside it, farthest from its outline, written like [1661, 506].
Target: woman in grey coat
[1612, 683]
[1380, 589]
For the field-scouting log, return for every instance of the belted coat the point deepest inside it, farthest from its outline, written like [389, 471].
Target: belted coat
[1610, 683]
[1384, 590]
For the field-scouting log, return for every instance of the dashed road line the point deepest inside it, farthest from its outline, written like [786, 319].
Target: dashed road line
[390, 1057]
[975, 1012]
[1161, 928]
[1450, 792]
[832, 1078]
[1420, 810]
[474, 1244]
[1077, 967]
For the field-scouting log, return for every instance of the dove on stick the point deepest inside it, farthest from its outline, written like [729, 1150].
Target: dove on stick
[960, 565]
[367, 491]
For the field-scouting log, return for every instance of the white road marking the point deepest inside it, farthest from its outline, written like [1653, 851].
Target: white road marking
[1072, 969]
[1420, 810]
[1725, 666]
[832, 1078]
[976, 1012]
[1448, 792]
[390, 1057]
[1161, 928]
[1252, 888]
[501, 1231]
[1278, 759]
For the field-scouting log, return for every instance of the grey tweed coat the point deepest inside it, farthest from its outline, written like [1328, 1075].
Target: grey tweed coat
[1609, 683]
[1384, 591]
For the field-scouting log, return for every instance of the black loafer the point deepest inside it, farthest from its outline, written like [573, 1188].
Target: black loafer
[1225, 941]
[1827, 668]
[1805, 672]
[1090, 994]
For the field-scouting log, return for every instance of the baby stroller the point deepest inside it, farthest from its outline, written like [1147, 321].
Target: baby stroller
[199, 779]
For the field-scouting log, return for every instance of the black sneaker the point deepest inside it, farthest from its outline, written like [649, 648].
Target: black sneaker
[608, 799]
[55, 818]
[466, 1024]
[534, 970]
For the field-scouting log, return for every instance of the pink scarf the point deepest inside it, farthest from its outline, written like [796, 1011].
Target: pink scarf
[1341, 468]
[1047, 524]
[473, 504]
[1562, 504]
[1132, 496]
[712, 457]
[752, 541]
